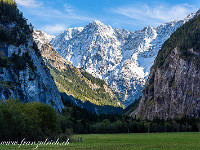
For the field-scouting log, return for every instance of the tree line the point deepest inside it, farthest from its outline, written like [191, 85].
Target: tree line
[80, 121]
[184, 38]
[36, 120]
[14, 28]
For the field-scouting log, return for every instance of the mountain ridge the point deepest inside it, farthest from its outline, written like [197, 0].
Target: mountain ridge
[122, 58]
[77, 84]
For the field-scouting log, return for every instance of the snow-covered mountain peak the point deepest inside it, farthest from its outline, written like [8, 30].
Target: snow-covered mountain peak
[46, 37]
[198, 12]
[98, 27]
[121, 57]
[189, 17]
[147, 28]
[97, 22]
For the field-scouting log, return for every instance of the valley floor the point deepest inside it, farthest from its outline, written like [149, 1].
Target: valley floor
[134, 141]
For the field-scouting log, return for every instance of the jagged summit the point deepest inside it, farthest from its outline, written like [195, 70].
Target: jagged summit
[122, 58]
[46, 36]
[147, 27]
[97, 27]
[191, 15]
[197, 13]
[96, 22]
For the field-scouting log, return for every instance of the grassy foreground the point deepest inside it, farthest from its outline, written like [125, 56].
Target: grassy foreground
[139, 141]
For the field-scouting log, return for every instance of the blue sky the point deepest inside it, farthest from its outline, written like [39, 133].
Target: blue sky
[54, 16]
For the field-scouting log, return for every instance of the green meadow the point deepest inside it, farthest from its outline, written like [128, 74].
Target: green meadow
[133, 141]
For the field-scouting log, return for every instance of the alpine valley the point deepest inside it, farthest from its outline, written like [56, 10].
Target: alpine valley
[96, 67]
[96, 80]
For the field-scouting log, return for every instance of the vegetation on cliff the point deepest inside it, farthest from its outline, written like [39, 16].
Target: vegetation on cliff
[185, 38]
[14, 28]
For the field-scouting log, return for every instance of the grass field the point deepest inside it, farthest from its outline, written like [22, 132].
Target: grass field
[139, 141]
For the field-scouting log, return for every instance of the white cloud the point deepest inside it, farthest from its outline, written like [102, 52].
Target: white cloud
[56, 20]
[51, 19]
[68, 14]
[69, 9]
[28, 3]
[73, 13]
[154, 15]
[54, 29]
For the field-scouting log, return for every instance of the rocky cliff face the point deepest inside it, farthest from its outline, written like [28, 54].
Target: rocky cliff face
[173, 87]
[32, 82]
[23, 74]
[120, 57]
[72, 81]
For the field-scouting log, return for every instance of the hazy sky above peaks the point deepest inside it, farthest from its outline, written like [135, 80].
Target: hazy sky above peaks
[54, 16]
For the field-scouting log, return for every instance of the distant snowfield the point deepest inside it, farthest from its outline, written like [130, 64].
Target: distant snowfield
[120, 57]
